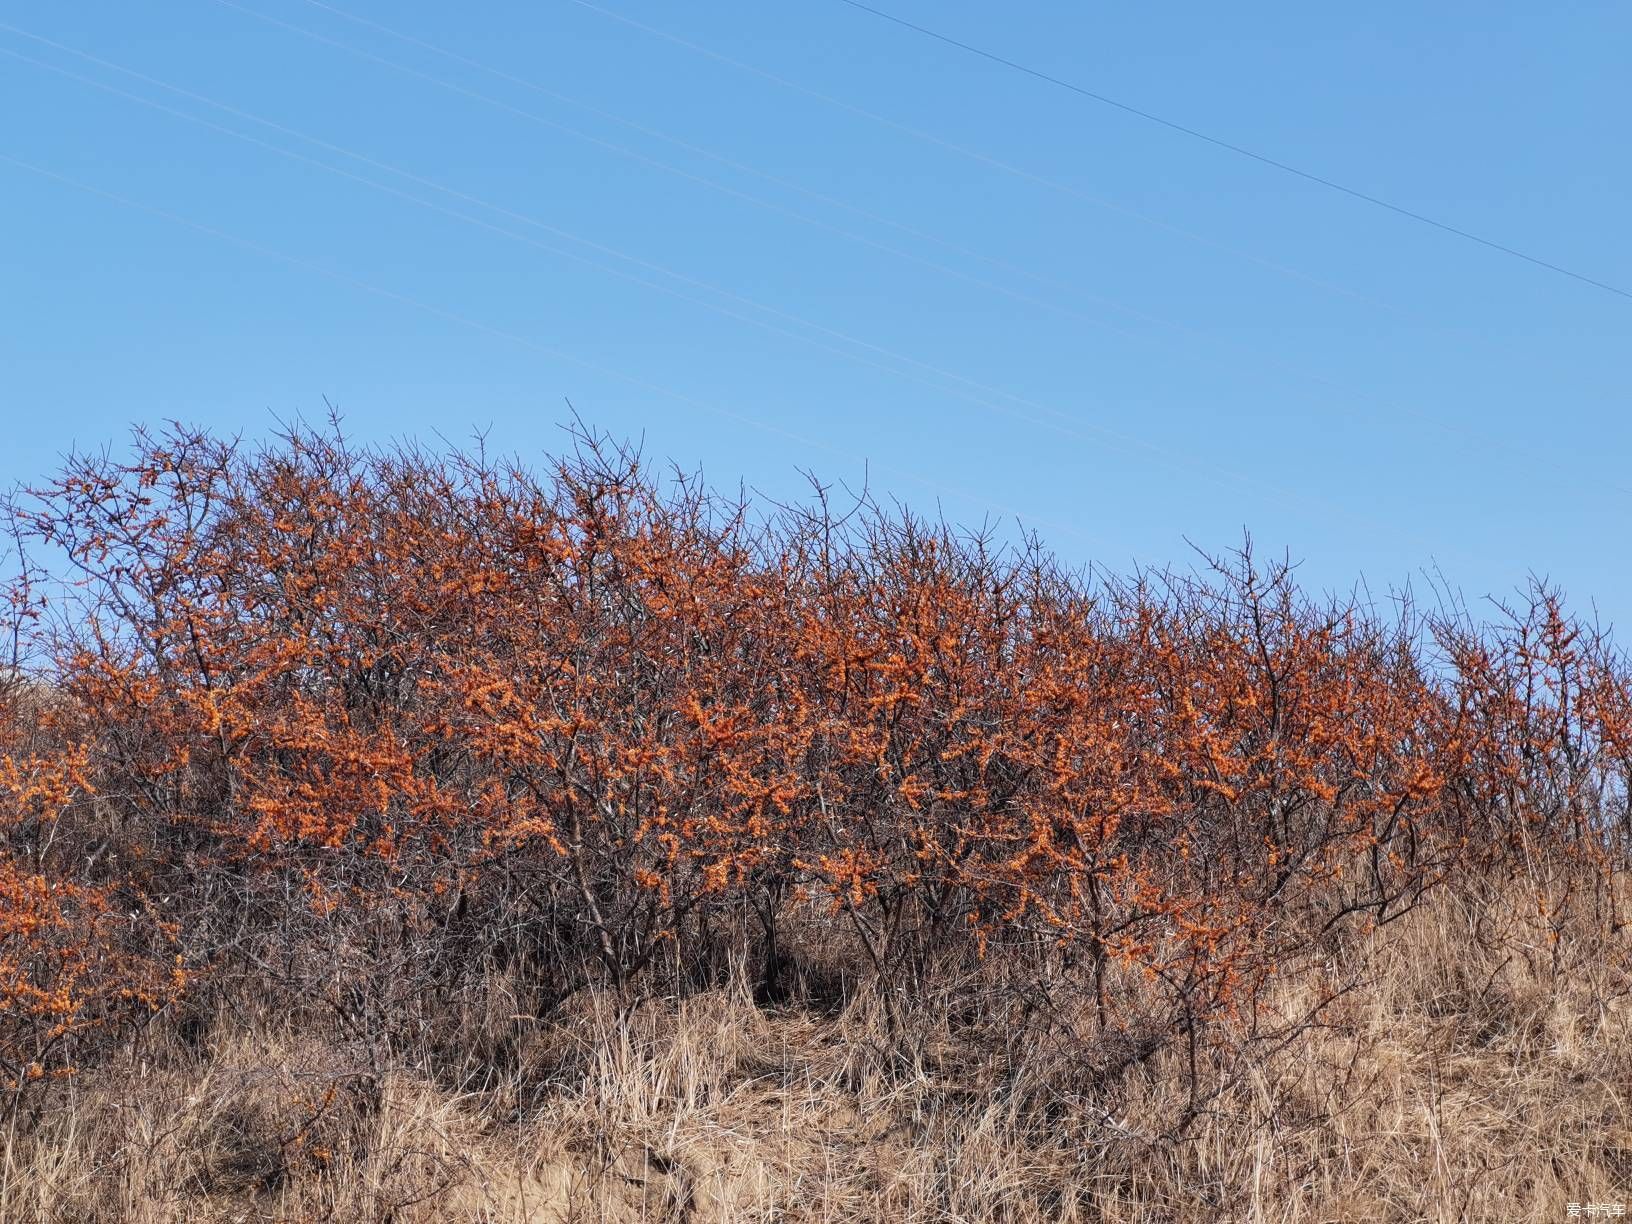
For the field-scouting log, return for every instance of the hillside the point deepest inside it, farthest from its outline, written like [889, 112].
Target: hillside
[398, 835]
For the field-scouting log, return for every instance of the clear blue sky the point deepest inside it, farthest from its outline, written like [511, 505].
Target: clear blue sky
[1127, 339]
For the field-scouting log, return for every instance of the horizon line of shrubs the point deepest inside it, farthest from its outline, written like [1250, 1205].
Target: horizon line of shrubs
[365, 725]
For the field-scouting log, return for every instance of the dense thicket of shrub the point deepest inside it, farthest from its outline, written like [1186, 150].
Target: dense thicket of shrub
[360, 725]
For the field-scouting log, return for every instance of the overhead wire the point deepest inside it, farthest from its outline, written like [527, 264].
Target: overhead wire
[850, 235]
[741, 167]
[1529, 456]
[989, 160]
[1127, 439]
[782, 181]
[1072, 429]
[1241, 150]
[549, 350]
[1145, 316]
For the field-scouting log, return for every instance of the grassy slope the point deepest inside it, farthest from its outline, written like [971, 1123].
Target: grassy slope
[1478, 1071]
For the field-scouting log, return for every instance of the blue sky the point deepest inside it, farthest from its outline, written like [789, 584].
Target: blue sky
[988, 293]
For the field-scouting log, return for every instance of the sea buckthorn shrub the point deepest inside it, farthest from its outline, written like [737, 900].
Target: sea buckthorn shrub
[417, 714]
[82, 958]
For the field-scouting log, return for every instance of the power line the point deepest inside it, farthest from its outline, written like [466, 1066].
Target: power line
[951, 146]
[1073, 427]
[546, 91]
[715, 185]
[512, 337]
[463, 91]
[1528, 455]
[1215, 470]
[1240, 150]
[1171, 458]
[465, 218]
[789, 185]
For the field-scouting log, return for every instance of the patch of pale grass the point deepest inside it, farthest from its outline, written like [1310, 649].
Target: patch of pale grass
[1478, 1071]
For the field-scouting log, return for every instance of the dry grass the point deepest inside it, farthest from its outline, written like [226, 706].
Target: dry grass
[1478, 1071]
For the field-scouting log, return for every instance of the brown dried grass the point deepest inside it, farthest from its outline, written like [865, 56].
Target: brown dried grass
[1478, 1071]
